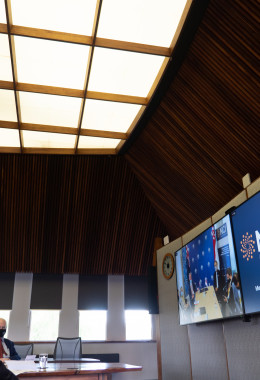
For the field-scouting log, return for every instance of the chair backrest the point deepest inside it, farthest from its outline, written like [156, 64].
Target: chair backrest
[68, 348]
[24, 349]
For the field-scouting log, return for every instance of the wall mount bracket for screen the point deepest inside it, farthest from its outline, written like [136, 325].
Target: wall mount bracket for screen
[247, 318]
[230, 210]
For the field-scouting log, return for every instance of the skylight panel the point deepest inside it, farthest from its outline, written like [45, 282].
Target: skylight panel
[88, 142]
[2, 12]
[45, 109]
[5, 59]
[7, 106]
[51, 63]
[108, 116]
[9, 138]
[32, 139]
[149, 22]
[124, 73]
[71, 16]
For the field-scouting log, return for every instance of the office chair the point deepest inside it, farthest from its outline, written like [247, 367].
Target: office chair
[68, 348]
[24, 349]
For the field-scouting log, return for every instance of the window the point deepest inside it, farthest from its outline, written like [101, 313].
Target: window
[44, 324]
[92, 324]
[138, 325]
[5, 314]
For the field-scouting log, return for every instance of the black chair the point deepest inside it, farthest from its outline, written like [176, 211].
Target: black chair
[24, 349]
[68, 349]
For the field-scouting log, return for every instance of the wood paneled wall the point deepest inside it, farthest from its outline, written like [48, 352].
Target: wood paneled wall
[204, 136]
[82, 214]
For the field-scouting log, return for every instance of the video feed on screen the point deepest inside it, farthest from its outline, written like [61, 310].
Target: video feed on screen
[246, 230]
[206, 276]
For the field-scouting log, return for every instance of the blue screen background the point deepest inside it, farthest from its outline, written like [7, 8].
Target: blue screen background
[245, 222]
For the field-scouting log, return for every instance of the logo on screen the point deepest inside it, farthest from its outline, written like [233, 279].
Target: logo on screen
[247, 246]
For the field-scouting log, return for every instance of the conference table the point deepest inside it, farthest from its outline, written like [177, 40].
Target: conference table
[207, 306]
[73, 370]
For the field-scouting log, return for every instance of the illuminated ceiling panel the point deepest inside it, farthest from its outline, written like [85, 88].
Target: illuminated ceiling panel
[51, 63]
[2, 12]
[9, 138]
[5, 59]
[7, 106]
[109, 116]
[47, 140]
[88, 142]
[77, 76]
[149, 22]
[49, 109]
[124, 72]
[68, 16]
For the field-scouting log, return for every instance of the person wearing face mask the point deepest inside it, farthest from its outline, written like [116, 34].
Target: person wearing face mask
[7, 349]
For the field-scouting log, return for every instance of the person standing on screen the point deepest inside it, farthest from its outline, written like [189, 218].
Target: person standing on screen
[228, 297]
[217, 282]
[192, 291]
[7, 349]
[237, 294]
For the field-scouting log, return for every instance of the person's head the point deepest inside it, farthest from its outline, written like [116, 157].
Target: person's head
[2, 327]
[216, 265]
[236, 280]
[229, 273]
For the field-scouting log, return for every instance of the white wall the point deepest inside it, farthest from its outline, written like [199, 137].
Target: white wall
[140, 353]
[228, 350]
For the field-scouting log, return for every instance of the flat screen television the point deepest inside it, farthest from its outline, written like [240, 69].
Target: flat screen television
[204, 271]
[246, 231]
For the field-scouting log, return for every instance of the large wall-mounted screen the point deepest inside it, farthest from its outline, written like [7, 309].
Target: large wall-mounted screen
[246, 230]
[206, 275]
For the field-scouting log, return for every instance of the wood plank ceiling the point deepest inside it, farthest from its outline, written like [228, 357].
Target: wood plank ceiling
[74, 214]
[97, 215]
[204, 136]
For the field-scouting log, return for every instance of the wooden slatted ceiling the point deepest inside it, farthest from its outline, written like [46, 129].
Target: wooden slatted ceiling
[89, 214]
[204, 137]
[74, 214]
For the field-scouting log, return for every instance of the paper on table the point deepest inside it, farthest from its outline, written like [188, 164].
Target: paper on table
[21, 366]
[30, 357]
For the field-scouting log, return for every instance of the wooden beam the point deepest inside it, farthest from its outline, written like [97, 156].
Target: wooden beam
[14, 66]
[9, 149]
[96, 151]
[48, 128]
[59, 151]
[50, 35]
[6, 85]
[25, 31]
[158, 78]
[63, 130]
[133, 47]
[106, 134]
[8, 124]
[117, 97]
[3, 28]
[87, 76]
[51, 90]
[180, 25]
[48, 150]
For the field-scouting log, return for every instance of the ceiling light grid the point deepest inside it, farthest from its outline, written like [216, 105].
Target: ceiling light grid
[79, 74]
